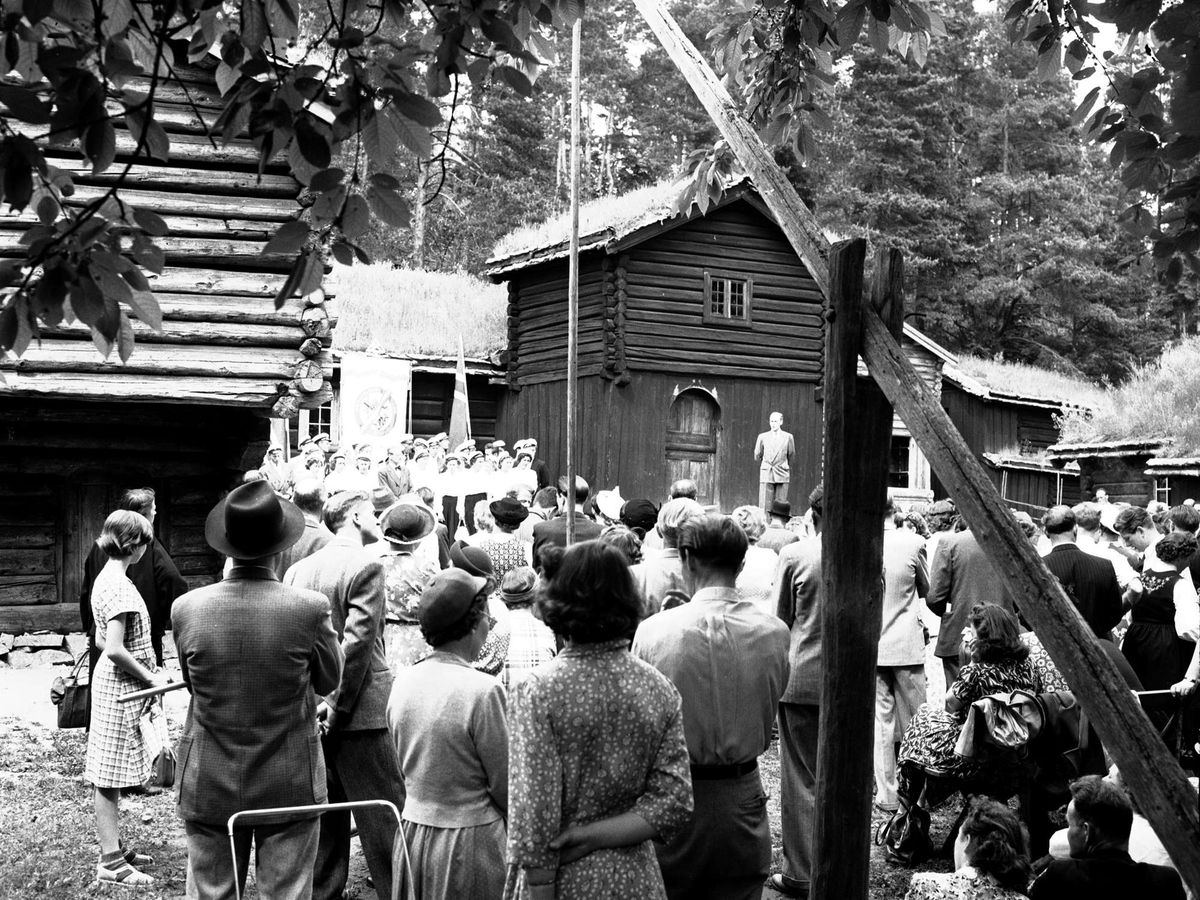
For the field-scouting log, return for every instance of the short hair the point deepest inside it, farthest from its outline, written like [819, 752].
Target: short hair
[591, 596]
[545, 498]
[1130, 519]
[138, 500]
[462, 627]
[1025, 522]
[752, 520]
[483, 515]
[714, 541]
[624, 539]
[309, 494]
[426, 494]
[917, 521]
[889, 506]
[1104, 805]
[673, 514]
[1058, 520]
[1087, 515]
[1176, 548]
[941, 516]
[816, 500]
[581, 488]
[684, 487]
[997, 635]
[340, 507]
[999, 844]
[1185, 518]
[123, 532]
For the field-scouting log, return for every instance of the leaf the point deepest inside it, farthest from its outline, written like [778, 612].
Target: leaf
[1017, 10]
[25, 104]
[8, 326]
[417, 109]
[48, 209]
[1084, 109]
[389, 207]
[227, 77]
[328, 206]
[254, 24]
[356, 217]
[1049, 62]
[288, 289]
[145, 306]
[151, 222]
[384, 180]
[343, 254]
[102, 266]
[125, 339]
[327, 179]
[515, 79]
[148, 254]
[158, 145]
[288, 239]
[387, 130]
[18, 183]
[100, 146]
[314, 146]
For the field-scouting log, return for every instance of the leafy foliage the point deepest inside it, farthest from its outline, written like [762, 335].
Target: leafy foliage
[335, 103]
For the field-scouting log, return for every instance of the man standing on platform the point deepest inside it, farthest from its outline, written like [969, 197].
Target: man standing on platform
[254, 654]
[798, 593]
[729, 661]
[360, 758]
[774, 451]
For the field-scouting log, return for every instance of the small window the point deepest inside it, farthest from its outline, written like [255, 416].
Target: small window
[727, 298]
[1162, 490]
[898, 462]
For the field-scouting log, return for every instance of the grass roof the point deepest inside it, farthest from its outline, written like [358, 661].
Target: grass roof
[407, 312]
[1160, 401]
[601, 219]
[1030, 381]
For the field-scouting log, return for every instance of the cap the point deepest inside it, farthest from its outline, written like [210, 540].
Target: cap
[447, 597]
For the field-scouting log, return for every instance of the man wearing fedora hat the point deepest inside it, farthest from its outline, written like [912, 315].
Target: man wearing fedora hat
[778, 535]
[360, 758]
[254, 654]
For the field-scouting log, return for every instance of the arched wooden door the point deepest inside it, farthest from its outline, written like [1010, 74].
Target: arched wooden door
[693, 425]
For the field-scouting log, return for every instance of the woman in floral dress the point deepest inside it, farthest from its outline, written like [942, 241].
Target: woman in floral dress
[117, 756]
[991, 859]
[597, 760]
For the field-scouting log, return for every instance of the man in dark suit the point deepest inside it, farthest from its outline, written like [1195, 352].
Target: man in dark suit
[252, 652]
[554, 531]
[959, 577]
[1089, 581]
[360, 757]
[309, 495]
[1099, 818]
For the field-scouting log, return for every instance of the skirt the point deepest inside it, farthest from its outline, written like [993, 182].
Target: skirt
[619, 873]
[449, 863]
[928, 748]
[116, 751]
[1157, 654]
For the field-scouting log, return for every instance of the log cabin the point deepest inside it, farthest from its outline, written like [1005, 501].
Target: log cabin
[189, 411]
[1132, 471]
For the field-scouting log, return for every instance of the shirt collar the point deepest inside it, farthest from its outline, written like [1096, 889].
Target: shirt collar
[720, 594]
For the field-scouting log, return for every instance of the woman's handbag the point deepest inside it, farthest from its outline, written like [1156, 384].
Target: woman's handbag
[72, 695]
[905, 836]
[158, 744]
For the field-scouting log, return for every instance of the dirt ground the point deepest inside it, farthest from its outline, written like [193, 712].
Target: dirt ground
[47, 830]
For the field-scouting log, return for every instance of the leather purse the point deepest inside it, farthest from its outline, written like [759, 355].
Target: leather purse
[905, 836]
[72, 694]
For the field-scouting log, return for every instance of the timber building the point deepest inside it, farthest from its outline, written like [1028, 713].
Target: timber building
[188, 412]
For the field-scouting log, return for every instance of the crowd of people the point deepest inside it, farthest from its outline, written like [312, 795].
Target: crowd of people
[586, 721]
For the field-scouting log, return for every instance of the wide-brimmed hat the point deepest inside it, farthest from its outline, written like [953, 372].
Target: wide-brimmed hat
[253, 521]
[465, 447]
[780, 508]
[640, 514]
[407, 524]
[447, 597]
[508, 511]
[471, 559]
[610, 503]
[1108, 515]
[517, 585]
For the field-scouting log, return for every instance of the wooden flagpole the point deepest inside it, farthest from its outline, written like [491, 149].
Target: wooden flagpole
[573, 280]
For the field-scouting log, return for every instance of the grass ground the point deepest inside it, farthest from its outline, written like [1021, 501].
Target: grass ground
[47, 829]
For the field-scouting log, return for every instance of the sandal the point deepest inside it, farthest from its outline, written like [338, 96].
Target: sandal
[136, 859]
[114, 869]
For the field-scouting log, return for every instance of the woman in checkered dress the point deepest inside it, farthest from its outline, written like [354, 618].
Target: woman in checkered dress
[116, 751]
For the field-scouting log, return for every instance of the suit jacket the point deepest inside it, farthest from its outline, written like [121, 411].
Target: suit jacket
[1106, 875]
[960, 577]
[252, 651]
[774, 453]
[906, 580]
[554, 532]
[542, 470]
[314, 538]
[353, 581]
[1091, 583]
[798, 601]
[395, 480]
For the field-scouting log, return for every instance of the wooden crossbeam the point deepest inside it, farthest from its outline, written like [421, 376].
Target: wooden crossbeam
[1152, 774]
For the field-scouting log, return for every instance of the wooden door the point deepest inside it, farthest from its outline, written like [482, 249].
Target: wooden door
[693, 424]
[89, 498]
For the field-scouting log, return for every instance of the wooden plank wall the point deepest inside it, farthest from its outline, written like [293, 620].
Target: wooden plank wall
[538, 311]
[64, 463]
[433, 399]
[223, 342]
[1123, 477]
[623, 431]
[1036, 428]
[664, 326]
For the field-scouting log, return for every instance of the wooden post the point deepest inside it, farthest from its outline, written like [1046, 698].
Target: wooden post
[1149, 770]
[573, 280]
[858, 426]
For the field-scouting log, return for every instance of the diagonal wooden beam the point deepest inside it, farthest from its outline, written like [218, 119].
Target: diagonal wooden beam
[1152, 774]
[796, 219]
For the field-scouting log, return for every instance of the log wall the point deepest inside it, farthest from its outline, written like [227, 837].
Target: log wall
[1122, 476]
[223, 342]
[63, 466]
[623, 431]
